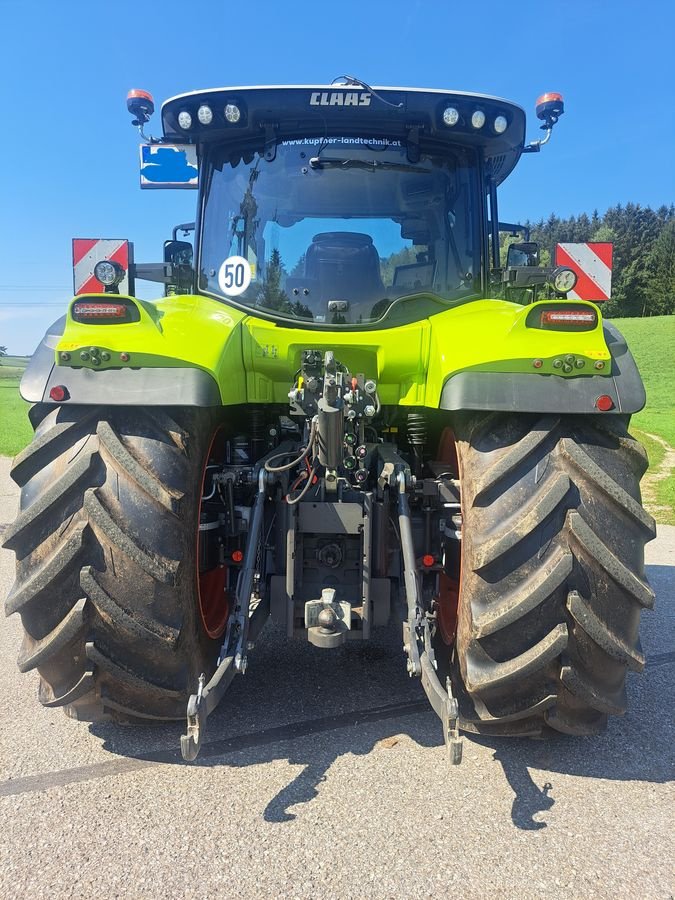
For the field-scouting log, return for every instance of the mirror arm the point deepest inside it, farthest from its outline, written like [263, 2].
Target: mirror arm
[186, 227]
[526, 276]
[163, 273]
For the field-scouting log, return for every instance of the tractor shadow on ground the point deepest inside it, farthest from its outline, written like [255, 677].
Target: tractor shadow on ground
[637, 747]
[300, 704]
[303, 705]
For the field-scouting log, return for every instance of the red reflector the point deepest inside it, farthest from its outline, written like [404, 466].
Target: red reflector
[428, 560]
[604, 403]
[100, 310]
[237, 556]
[568, 317]
[59, 393]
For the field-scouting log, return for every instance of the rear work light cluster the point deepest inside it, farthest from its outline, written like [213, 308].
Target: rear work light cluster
[231, 115]
[477, 118]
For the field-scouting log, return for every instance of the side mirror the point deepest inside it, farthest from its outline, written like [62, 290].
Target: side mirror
[523, 254]
[179, 255]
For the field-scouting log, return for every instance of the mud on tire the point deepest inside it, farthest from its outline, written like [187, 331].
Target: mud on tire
[553, 581]
[105, 545]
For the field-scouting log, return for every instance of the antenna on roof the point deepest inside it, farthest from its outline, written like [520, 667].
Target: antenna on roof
[352, 80]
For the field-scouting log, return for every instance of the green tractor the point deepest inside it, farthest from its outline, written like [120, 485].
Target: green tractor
[338, 416]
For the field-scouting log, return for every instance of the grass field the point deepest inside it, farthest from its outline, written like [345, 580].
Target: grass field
[13, 362]
[652, 342]
[15, 430]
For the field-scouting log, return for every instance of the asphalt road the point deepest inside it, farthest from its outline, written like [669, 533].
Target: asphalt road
[325, 776]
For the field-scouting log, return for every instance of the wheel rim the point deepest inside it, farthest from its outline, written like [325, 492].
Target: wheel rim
[213, 600]
[447, 600]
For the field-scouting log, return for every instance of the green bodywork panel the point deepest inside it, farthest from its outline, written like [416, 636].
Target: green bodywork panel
[254, 360]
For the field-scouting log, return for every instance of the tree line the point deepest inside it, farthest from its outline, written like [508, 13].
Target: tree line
[643, 268]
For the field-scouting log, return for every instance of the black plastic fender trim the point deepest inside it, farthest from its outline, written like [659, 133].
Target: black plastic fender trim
[134, 387]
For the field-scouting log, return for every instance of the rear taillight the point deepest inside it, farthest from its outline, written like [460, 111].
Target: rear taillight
[568, 317]
[98, 310]
[91, 310]
[563, 317]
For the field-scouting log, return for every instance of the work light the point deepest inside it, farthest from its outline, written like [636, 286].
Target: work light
[478, 118]
[108, 272]
[184, 119]
[500, 124]
[450, 116]
[232, 113]
[205, 115]
[564, 280]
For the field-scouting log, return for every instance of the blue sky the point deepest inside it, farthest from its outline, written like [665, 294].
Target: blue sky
[69, 157]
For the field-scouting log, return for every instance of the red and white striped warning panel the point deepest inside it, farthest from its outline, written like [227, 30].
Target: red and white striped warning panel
[593, 265]
[87, 252]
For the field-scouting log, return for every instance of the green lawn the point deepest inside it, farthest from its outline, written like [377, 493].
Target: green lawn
[652, 343]
[15, 430]
[17, 362]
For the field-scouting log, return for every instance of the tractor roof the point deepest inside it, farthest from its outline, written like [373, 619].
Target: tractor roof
[270, 113]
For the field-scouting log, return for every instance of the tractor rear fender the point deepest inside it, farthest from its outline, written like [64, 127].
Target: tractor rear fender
[534, 392]
[181, 350]
[114, 387]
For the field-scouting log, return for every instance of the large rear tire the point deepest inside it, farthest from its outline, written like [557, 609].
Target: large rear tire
[106, 573]
[552, 581]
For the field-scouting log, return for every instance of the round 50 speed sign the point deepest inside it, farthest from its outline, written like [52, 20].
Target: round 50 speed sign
[234, 276]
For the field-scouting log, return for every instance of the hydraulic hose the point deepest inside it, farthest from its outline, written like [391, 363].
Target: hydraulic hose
[293, 500]
[305, 453]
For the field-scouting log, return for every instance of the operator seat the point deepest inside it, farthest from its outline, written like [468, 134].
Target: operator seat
[346, 266]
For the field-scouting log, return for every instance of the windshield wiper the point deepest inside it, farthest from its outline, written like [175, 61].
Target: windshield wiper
[373, 165]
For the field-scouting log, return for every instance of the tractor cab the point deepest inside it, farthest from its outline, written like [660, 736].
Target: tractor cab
[344, 206]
